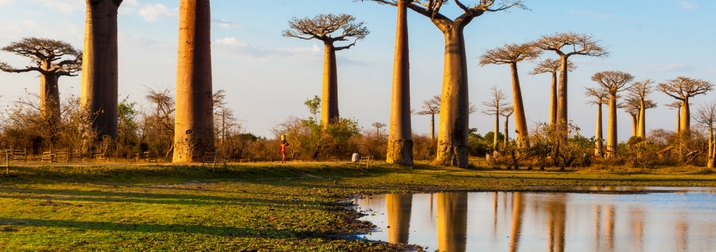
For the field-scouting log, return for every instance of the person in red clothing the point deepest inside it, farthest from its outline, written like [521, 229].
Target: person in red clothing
[284, 144]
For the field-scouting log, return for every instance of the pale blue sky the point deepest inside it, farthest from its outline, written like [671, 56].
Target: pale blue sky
[268, 77]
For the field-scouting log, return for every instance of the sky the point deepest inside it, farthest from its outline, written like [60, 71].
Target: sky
[267, 77]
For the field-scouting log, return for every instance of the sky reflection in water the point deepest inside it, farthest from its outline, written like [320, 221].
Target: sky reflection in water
[683, 219]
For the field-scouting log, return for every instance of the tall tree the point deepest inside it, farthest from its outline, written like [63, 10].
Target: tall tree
[431, 107]
[706, 115]
[600, 98]
[100, 75]
[683, 88]
[614, 82]
[323, 27]
[552, 66]
[511, 54]
[400, 137]
[194, 121]
[495, 107]
[452, 149]
[640, 90]
[52, 59]
[677, 106]
[567, 45]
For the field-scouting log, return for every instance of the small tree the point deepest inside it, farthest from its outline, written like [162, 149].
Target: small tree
[706, 115]
[682, 89]
[614, 82]
[431, 107]
[323, 27]
[313, 106]
[495, 107]
[507, 112]
[52, 59]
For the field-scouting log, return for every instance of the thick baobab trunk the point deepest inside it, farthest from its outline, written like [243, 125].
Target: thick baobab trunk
[329, 99]
[49, 96]
[685, 125]
[553, 101]
[520, 121]
[432, 127]
[507, 132]
[641, 128]
[678, 120]
[99, 66]
[599, 150]
[400, 139]
[612, 128]
[634, 124]
[454, 108]
[711, 151]
[194, 123]
[562, 104]
[495, 137]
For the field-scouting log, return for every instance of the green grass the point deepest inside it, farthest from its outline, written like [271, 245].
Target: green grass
[263, 207]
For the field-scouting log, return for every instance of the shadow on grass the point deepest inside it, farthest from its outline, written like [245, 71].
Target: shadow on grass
[130, 197]
[16, 224]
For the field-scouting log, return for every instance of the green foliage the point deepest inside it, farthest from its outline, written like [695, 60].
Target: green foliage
[310, 140]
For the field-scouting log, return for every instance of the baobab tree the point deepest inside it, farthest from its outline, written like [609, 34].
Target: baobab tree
[100, 75]
[677, 106]
[683, 88]
[51, 59]
[600, 98]
[511, 54]
[640, 90]
[495, 107]
[452, 149]
[632, 105]
[194, 121]
[614, 82]
[552, 66]
[706, 115]
[400, 137]
[566, 45]
[323, 27]
[507, 112]
[431, 107]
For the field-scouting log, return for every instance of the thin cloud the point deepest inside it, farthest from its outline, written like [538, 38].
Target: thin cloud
[223, 23]
[689, 5]
[68, 7]
[230, 46]
[711, 70]
[149, 12]
[155, 12]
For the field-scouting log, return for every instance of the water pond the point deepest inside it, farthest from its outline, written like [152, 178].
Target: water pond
[646, 219]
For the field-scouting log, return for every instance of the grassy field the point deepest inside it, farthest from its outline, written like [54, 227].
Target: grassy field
[248, 207]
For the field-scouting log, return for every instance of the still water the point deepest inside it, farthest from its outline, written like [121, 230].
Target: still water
[657, 219]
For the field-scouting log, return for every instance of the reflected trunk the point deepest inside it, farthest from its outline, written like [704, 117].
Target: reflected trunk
[452, 221]
[398, 211]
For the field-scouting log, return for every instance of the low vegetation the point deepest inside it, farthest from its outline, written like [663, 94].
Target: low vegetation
[248, 207]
